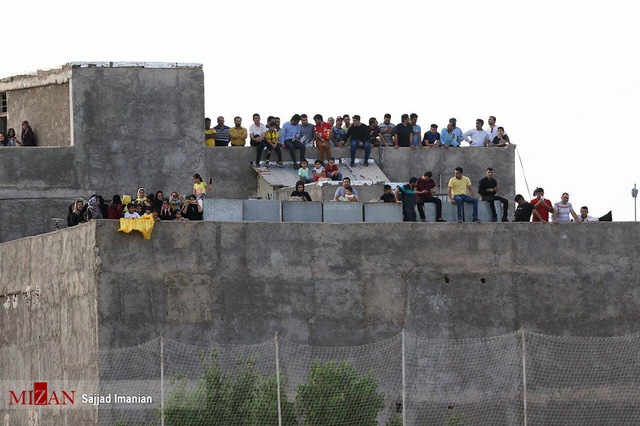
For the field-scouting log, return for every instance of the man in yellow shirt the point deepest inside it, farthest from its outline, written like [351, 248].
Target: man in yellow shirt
[458, 187]
[238, 134]
[209, 133]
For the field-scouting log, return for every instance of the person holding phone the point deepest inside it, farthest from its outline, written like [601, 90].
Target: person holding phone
[542, 205]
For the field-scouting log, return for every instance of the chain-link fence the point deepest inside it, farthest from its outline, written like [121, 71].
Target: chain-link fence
[518, 378]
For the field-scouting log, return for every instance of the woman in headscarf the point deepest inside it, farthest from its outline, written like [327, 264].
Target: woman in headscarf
[94, 208]
[12, 140]
[142, 197]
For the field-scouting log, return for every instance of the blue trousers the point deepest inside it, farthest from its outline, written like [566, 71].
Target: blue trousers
[367, 149]
[467, 199]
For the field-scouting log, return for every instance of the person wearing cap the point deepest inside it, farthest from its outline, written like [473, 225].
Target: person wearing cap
[542, 205]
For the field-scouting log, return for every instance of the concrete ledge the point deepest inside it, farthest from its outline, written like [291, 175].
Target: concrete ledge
[382, 212]
[299, 211]
[262, 210]
[342, 212]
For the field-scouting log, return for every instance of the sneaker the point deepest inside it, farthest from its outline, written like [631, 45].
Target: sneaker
[279, 164]
[423, 220]
[440, 220]
[295, 166]
[459, 221]
[366, 164]
[266, 163]
[476, 220]
[353, 164]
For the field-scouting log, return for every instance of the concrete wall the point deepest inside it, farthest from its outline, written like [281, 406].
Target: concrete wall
[348, 284]
[46, 108]
[52, 337]
[132, 127]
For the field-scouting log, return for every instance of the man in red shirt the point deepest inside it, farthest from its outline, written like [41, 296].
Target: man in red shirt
[425, 193]
[542, 205]
[331, 170]
[323, 137]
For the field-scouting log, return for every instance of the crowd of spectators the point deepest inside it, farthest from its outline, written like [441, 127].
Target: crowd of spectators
[28, 138]
[298, 134]
[174, 208]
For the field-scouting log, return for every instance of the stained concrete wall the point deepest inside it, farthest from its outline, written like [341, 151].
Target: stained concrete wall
[348, 284]
[46, 108]
[52, 337]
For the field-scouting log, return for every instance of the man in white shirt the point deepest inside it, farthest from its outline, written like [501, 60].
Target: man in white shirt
[256, 136]
[477, 136]
[585, 217]
[491, 129]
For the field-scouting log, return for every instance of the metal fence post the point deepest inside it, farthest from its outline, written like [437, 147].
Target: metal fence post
[278, 381]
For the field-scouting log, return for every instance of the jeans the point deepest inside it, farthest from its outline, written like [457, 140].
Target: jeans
[367, 149]
[430, 199]
[505, 206]
[264, 144]
[459, 199]
[338, 176]
[292, 146]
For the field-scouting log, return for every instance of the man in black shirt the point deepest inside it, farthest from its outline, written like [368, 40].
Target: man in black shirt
[488, 188]
[402, 133]
[524, 210]
[359, 135]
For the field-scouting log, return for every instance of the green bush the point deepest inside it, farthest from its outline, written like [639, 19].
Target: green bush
[335, 394]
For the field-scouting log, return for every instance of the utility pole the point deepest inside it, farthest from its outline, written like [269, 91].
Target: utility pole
[634, 194]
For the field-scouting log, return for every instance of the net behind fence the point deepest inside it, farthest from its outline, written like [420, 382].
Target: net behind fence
[583, 381]
[470, 381]
[517, 378]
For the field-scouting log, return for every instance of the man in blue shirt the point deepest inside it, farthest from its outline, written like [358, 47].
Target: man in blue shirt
[406, 195]
[448, 137]
[290, 138]
[222, 133]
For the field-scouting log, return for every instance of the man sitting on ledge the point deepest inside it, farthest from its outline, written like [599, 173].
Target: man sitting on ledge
[457, 189]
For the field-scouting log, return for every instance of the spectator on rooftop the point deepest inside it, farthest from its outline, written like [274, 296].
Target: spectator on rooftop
[178, 216]
[375, 137]
[340, 192]
[199, 187]
[542, 206]
[524, 210]
[358, 133]
[448, 137]
[432, 137]
[94, 208]
[585, 217]
[492, 129]
[349, 195]
[131, 212]
[477, 137]
[3, 139]
[425, 193]
[165, 211]
[388, 196]
[416, 131]
[563, 210]
[323, 137]
[115, 208]
[238, 134]
[157, 202]
[175, 201]
[460, 191]
[386, 129]
[209, 133]
[304, 173]
[76, 215]
[402, 133]
[300, 193]
[192, 210]
[256, 137]
[270, 143]
[222, 133]
[307, 132]
[457, 131]
[28, 137]
[331, 170]
[141, 196]
[12, 140]
[339, 135]
[488, 190]
[290, 138]
[405, 194]
[501, 139]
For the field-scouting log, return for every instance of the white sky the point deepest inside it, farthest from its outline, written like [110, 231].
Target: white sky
[560, 76]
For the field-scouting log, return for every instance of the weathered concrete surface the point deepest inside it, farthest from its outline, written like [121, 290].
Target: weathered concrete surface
[335, 284]
[52, 337]
[46, 108]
